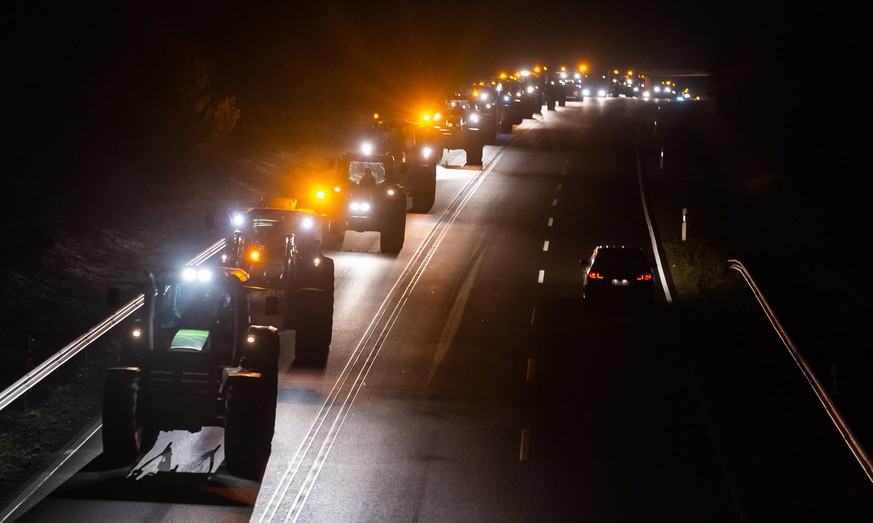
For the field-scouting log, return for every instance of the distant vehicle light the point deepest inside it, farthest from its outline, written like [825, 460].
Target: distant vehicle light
[390, 192]
[359, 206]
[426, 152]
[367, 148]
[307, 223]
[136, 332]
[255, 255]
[474, 118]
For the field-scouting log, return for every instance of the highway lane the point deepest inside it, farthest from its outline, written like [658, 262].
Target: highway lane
[494, 397]
[466, 383]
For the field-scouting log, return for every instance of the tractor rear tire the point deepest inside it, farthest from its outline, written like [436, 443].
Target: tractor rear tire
[250, 409]
[121, 432]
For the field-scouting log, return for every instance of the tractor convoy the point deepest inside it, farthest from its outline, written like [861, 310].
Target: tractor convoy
[203, 348]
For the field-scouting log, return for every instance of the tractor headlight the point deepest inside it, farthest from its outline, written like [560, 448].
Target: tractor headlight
[190, 274]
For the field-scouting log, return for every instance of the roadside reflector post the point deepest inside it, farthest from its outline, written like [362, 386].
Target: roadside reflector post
[661, 161]
[684, 223]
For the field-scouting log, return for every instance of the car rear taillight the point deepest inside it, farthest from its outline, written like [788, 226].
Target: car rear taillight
[645, 277]
[595, 275]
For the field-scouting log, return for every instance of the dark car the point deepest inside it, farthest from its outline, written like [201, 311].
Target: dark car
[617, 275]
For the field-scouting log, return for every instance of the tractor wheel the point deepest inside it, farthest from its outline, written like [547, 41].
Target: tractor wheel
[393, 231]
[425, 193]
[473, 147]
[250, 410]
[314, 327]
[122, 434]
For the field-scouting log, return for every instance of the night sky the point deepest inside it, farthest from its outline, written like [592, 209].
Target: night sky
[84, 76]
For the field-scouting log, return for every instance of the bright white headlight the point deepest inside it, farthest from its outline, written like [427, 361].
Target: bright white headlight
[426, 152]
[366, 148]
[238, 219]
[307, 223]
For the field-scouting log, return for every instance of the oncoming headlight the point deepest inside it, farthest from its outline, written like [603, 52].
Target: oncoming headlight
[359, 206]
[238, 219]
[307, 223]
[367, 148]
[426, 152]
[474, 118]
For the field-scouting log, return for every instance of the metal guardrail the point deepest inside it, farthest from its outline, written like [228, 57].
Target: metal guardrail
[820, 392]
[53, 363]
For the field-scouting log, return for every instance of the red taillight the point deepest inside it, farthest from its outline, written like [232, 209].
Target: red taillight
[595, 275]
[645, 277]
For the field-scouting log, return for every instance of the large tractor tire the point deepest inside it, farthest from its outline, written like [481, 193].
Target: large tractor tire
[473, 146]
[313, 327]
[250, 410]
[425, 191]
[393, 231]
[122, 432]
[504, 126]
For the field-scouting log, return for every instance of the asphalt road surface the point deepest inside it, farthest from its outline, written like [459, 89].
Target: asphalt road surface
[466, 382]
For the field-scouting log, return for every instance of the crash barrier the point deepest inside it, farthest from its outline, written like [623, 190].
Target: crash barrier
[53, 363]
[820, 392]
